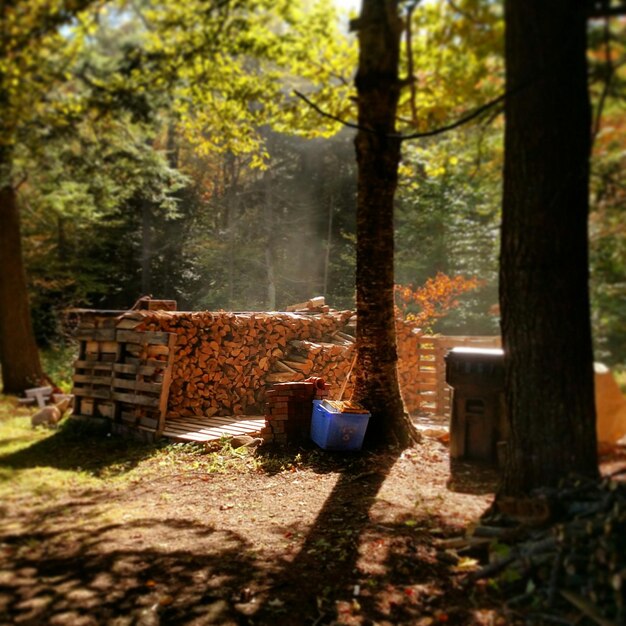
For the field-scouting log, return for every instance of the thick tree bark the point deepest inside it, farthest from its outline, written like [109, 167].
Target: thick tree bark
[544, 258]
[378, 155]
[21, 367]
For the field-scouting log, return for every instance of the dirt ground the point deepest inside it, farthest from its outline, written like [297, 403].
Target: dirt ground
[279, 537]
[95, 529]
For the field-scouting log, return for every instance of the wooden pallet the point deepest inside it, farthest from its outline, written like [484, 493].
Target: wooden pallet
[124, 375]
[430, 378]
[202, 429]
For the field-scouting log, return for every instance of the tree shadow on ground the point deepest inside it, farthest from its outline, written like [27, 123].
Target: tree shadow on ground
[80, 577]
[350, 565]
[81, 446]
[472, 477]
[70, 563]
[325, 568]
[88, 560]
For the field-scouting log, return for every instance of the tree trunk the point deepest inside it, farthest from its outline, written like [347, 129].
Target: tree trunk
[19, 355]
[328, 247]
[378, 155]
[147, 246]
[544, 296]
[268, 221]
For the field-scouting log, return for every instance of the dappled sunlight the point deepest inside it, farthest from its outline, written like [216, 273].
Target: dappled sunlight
[93, 527]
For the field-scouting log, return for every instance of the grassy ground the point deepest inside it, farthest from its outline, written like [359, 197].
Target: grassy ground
[81, 454]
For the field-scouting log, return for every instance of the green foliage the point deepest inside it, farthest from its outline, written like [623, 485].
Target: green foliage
[58, 362]
[457, 61]
[448, 219]
[229, 68]
[608, 193]
[448, 200]
[273, 226]
[161, 149]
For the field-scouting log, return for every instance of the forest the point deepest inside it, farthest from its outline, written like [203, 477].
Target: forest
[240, 156]
[152, 157]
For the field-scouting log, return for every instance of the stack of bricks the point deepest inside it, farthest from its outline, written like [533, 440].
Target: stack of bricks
[288, 410]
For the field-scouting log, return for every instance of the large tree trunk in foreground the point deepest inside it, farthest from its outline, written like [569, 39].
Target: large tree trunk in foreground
[378, 155]
[544, 295]
[19, 355]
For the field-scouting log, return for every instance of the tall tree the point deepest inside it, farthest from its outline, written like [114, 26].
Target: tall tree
[27, 39]
[378, 155]
[544, 259]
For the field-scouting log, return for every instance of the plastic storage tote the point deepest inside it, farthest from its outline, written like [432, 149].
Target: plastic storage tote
[332, 430]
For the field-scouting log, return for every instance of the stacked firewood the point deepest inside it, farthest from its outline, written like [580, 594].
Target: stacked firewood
[575, 563]
[408, 339]
[226, 361]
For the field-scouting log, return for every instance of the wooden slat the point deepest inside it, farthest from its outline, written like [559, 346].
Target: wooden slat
[88, 392]
[132, 398]
[148, 337]
[123, 383]
[431, 407]
[104, 409]
[137, 385]
[187, 436]
[148, 387]
[125, 368]
[92, 380]
[426, 377]
[149, 422]
[204, 422]
[218, 431]
[96, 334]
[422, 387]
[93, 365]
[167, 381]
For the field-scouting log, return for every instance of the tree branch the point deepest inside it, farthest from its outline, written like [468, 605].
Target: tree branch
[328, 115]
[468, 117]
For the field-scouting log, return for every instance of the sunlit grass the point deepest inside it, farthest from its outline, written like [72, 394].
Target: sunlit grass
[40, 461]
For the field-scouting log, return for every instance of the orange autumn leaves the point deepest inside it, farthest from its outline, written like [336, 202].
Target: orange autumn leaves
[424, 305]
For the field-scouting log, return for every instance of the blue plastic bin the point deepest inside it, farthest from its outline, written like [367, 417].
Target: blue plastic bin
[332, 430]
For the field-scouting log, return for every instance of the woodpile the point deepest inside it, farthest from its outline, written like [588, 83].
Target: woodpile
[410, 365]
[289, 409]
[567, 561]
[225, 362]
